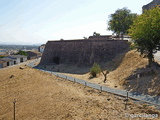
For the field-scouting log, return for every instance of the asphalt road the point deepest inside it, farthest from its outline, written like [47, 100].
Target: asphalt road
[30, 63]
[157, 56]
[154, 100]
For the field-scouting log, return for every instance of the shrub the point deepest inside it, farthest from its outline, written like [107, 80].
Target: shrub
[132, 45]
[2, 56]
[20, 52]
[95, 70]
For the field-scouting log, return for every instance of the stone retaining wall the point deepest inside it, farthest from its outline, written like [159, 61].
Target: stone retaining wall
[82, 52]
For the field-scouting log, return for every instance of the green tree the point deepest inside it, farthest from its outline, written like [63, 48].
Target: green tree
[85, 37]
[146, 33]
[2, 56]
[120, 21]
[95, 70]
[96, 34]
[20, 52]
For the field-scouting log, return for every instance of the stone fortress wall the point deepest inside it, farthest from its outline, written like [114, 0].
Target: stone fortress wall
[151, 5]
[82, 52]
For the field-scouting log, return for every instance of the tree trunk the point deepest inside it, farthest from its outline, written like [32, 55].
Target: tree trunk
[122, 36]
[150, 56]
[105, 75]
[105, 78]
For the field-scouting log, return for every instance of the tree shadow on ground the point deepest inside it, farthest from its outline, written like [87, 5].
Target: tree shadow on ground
[145, 80]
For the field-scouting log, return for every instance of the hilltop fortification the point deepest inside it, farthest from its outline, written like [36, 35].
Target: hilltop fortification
[151, 5]
[82, 52]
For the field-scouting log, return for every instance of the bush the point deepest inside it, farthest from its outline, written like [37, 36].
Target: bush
[95, 70]
[132, 45]
[2, 56]
[20, 52]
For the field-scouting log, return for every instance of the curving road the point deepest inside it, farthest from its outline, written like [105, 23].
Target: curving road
[154, 100]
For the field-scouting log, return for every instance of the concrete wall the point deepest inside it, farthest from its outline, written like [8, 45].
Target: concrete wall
[21, 59]
[4, 64]
[82, 52]
[24, 58]
[10, 63]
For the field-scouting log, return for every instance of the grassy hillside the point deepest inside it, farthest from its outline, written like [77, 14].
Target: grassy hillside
[41, 96]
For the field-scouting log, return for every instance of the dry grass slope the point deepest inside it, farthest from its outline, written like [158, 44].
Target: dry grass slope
[41, 96]
[133, 65]
[125, 69]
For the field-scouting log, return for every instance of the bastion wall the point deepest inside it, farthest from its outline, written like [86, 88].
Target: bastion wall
[151, 5]
[82, 52]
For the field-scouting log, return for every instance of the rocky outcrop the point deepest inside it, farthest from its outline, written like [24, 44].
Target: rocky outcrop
[82, 52]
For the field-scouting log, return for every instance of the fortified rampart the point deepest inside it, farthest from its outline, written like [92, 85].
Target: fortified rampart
[82, 52]
[151, 5]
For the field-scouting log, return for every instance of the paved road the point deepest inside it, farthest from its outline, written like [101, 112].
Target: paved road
[155, 100]
[157, 56]
[30, 63]
[144, 98]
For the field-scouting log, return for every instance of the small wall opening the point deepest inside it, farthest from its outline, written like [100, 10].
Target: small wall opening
[56, 60]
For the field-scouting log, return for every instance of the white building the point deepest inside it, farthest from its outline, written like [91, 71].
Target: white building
[41, 48]
[6, 62]
[12, 60]
[17, 58]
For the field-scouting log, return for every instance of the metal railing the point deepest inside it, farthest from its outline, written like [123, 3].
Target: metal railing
[154, 100]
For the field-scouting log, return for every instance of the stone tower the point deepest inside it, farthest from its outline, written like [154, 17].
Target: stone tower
[151, 5]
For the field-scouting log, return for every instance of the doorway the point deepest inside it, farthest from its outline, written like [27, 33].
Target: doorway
[7, 63]
[56, 60]
[21, 59]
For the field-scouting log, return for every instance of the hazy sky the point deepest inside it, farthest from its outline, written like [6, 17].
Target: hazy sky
[37, 21]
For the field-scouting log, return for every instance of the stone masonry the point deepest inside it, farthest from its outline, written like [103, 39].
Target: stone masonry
[151, 5]
[82, 52]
